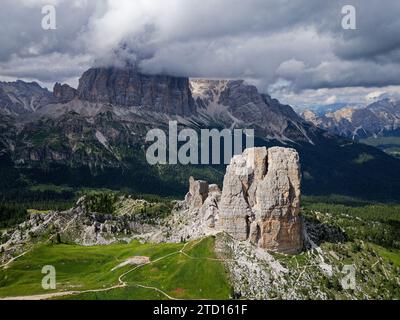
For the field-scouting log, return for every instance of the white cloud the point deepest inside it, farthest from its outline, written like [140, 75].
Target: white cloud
[331, 100]
[374, 95]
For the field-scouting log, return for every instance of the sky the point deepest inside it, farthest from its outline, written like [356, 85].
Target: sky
[297, 51]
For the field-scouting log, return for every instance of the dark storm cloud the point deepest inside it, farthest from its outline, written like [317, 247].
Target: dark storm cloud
[289, 45]
[377, 35]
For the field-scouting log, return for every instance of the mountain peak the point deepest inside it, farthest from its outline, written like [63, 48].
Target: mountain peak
[22, 97]
[128, 87]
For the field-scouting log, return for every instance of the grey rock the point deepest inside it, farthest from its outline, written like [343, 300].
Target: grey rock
[198, 193]
[377, 119]
[18, 98]
[64, 93]
[128, 87]
[259, 202]
[261, 199]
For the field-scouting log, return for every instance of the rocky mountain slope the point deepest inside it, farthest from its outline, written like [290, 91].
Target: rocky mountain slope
[377, 119]
[19, 97]
[93, 136]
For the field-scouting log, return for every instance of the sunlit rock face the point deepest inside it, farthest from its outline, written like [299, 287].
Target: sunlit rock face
[260, 199]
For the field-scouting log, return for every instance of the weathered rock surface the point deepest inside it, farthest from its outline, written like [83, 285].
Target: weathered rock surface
[209, 210]
[259, 203]
[234, 102]
[198, 193]
[18, 98]
[197, 215]
[261, 199]
[63, 93]
[128, 87]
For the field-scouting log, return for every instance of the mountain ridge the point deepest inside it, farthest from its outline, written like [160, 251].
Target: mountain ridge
[375, 119]
[82, 139]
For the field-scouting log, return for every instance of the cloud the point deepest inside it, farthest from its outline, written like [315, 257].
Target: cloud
[374, 95]
[63, 67]
[286, 47]
[331, 100]
[350, 95]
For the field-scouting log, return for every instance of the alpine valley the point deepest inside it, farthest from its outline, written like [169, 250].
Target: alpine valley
[304, 214]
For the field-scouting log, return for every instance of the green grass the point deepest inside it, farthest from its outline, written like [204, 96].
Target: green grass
[187, 278]
[128, 293]
[390, 145]
[85, 268]
[391, 255]
[78, 268]
[375, 223]
[364, 158]
[376, 142]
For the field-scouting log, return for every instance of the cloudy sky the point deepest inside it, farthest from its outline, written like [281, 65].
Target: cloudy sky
[295, 50]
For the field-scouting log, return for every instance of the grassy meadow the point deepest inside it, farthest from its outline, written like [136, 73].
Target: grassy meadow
[89, 268]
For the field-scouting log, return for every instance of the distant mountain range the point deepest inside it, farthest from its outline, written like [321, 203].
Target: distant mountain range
[93, 136]
[321, 110]
[377, 124]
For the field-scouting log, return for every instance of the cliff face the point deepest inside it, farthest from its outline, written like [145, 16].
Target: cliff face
[128, 87]
[236, 103]
[260, 201]
[63, 93]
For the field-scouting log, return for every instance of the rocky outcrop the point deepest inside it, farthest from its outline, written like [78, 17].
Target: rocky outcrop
[63, 93]
[261, 199]
[259, 203]
[198, 193]
[197, 216]
[210, 209]
[128, 87]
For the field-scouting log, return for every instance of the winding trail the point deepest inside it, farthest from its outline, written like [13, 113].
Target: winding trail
[3, 266]
[121, 282]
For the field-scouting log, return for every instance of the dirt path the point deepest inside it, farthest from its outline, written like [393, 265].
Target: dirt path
[122, 284]
[15, 258]
[58, 294]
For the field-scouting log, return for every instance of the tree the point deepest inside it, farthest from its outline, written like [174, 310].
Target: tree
[58, 239]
